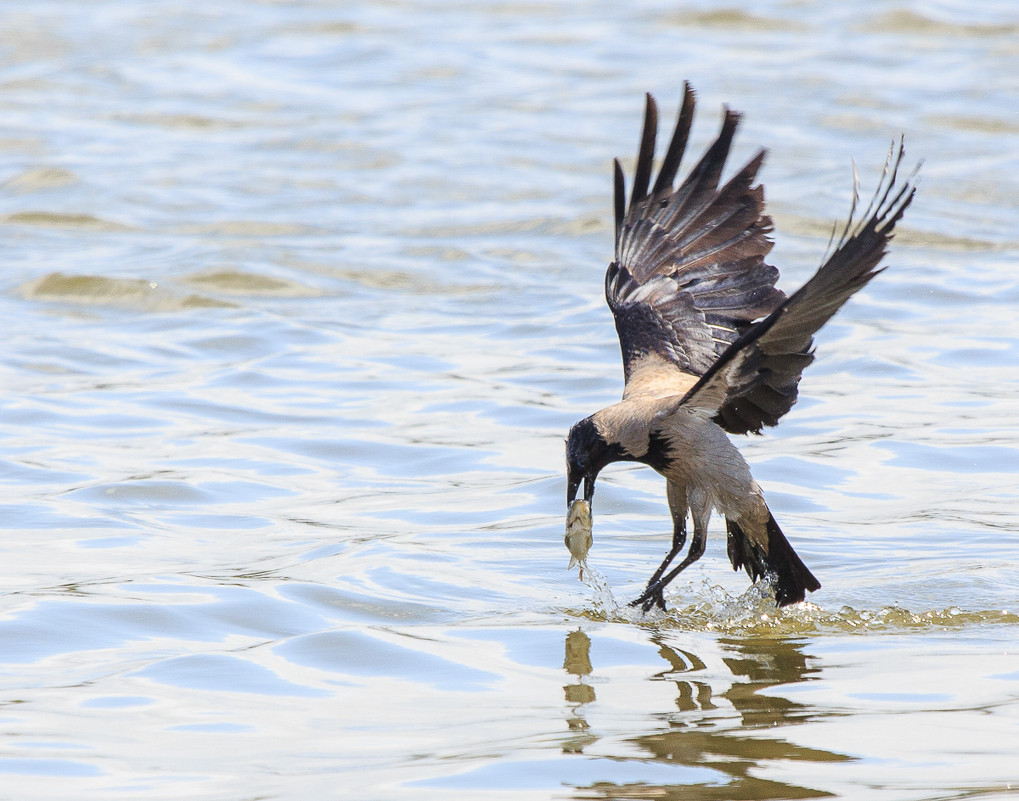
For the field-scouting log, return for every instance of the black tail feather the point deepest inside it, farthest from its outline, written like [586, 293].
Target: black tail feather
[791, 578]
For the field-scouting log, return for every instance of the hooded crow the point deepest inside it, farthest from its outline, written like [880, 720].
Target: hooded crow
[710, 346]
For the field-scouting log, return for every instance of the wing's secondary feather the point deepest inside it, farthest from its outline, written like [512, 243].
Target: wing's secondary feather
[658, 318]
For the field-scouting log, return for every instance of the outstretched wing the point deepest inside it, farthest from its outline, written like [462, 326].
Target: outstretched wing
[689, 274]
[739, 390]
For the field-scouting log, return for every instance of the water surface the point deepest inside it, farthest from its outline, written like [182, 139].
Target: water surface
[299, 302]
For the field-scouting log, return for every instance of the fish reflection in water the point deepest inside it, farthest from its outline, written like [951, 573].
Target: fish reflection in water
[577, 662]
[699, 732]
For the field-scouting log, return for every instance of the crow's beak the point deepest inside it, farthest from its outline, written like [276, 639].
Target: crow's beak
[571, 490]
[573, 487]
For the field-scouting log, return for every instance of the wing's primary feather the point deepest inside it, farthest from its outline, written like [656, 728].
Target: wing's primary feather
[677, 145]
[646, 154]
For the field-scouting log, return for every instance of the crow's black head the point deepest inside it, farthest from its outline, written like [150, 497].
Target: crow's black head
[587, 452]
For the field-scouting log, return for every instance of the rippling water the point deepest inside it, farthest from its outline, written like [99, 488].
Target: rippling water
[299, 302]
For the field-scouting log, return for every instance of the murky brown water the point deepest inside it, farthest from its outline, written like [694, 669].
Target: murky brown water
[300, 300]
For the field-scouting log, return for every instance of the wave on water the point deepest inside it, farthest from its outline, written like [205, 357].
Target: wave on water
[135, 293]
[754, 613]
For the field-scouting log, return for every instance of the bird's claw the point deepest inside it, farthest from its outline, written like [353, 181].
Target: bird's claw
[652, 596]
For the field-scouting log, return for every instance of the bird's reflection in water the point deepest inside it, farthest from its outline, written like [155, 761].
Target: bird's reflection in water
[708, 728]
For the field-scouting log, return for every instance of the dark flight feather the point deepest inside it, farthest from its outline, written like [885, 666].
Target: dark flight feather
[677, 145]
[646, 155]
[619, 199]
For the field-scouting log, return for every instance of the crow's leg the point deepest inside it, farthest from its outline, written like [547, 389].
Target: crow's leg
[677, 506]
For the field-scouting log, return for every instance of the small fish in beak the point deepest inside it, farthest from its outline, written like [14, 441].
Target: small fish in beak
[578, 534]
